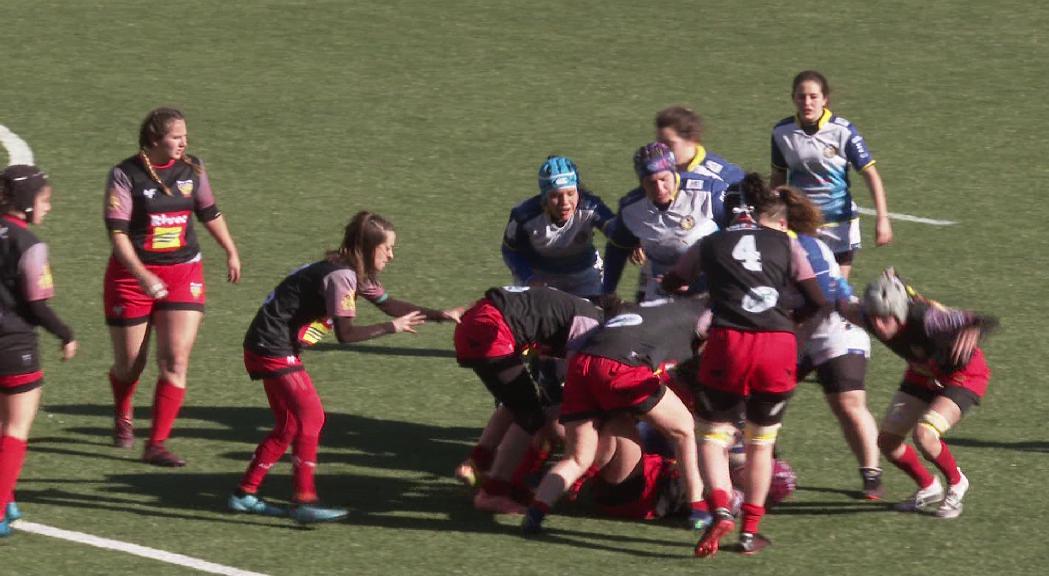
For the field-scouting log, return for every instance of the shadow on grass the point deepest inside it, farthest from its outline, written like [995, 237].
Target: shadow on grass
[1022, 446]
[856, 504]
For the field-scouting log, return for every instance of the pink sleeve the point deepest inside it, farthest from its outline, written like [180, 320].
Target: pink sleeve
[37, 282]
[340, 294]
[118, 195]
[204, 196]
[800, 262]
[687, 266]
[373, 291]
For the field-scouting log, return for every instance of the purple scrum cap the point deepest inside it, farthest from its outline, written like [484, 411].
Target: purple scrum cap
[653, 158]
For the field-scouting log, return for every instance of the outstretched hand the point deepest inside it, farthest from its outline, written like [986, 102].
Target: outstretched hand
[408, 322]
[964, 344]
[454, 314]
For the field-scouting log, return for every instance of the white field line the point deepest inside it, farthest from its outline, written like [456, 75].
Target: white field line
[134, 549]
[18, 151]
[909, 218]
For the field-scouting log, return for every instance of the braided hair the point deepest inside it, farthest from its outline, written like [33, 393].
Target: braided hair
[154, 127]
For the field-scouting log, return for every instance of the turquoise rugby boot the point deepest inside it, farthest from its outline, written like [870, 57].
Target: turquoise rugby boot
[313, 514]
[252, 504]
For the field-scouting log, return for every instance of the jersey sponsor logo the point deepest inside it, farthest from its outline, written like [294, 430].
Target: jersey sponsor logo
[624, 320]
[167, 231]
[692, 184]
[349, 302]
[185, 187]
[830, 151]
[760, 299]
[196, 289]
[714, 167]
[46, 280]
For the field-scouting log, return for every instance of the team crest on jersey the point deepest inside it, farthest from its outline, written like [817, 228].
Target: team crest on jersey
[185, 187]
[688, 223]
[46, 281]
[830, 151]
[114, 202]
[148, 193]
[196, 289]
[349, 302]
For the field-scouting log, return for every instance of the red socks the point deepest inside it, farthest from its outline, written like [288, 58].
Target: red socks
[717, 499]
[12, 455]
[945, 462]
[910, 464]
[123, 393]
[304, 465]
[167, 400]
[752, 515]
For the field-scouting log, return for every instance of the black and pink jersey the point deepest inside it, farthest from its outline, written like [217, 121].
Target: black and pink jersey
[543, 316]
[159, 225]
[300, 309]
[653, 334]
[749, 269]
[928, 334]
[25, 276]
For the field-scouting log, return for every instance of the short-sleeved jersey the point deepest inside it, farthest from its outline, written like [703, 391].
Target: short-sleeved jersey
[25, 277]
[299, 311]
[749, 269]
[544, 317]
[666, 234]
[707, 163]
[160, 226]
[653, 334]
[533, 243]
[818, 163]
[927, 336]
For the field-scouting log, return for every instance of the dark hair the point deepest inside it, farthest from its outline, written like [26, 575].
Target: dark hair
[685, 122]
[764, 202]
[802, 215]
[153, 128]
[365, 232]
[811, 76]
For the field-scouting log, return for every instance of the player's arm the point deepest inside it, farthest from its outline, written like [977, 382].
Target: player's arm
[882, 227]
[347, 333]
[210, 216]
[815, 306]
[400, 308]
[778, 174]
[621, 242]
[513, 249]
[37, 288]
[685, 270]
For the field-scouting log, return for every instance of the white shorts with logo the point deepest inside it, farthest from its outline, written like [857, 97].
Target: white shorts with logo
[835, 337]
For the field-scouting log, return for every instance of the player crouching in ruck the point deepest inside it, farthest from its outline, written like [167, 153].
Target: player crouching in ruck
[946, 374]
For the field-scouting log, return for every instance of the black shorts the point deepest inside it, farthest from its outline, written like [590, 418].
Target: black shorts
[963, 397]
[761, 408]
[843, 373]
[512, 386]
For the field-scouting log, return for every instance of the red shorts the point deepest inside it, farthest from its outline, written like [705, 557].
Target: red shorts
[261, 367]
[973, 377]
[595, 386]
[18, 383]
[657, 473]
[744, 362]
[127, 304]
[482, 333]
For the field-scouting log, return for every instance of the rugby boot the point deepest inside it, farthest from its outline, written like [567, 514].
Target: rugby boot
[158, 455]
[951, 507]
[13, 513]
[468, 474]
[872, 488]
[750, 544]
[252, 504]
[5, 527]
[313, 514]
[923, 498]
[123, 433]
[532, 523]
[710, 542]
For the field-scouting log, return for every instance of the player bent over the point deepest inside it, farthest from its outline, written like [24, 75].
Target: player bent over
[296, 314]
[946, 375]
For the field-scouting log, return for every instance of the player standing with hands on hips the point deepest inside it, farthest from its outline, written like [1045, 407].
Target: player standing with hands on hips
[25, 287]
[155, 281]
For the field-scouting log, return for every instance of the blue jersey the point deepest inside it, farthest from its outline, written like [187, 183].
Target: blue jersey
[707, 163]
[534, 244]
[818, 163]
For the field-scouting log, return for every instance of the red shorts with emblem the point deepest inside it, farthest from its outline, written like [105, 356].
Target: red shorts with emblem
[482, 333]
[743, 362]
[262, 367]
[595, 386]
[973, 377]
[127, 304]
[18, 383]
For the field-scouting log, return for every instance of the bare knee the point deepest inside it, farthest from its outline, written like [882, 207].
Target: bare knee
[926, 439]
[889, 443]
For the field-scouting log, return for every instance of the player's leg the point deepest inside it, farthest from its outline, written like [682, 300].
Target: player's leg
[19, 410]
[176, 332]
[472, 470]
[905, 411]
[267, 453]
[842, 381]
[130, 353]
[943, 414]
[581, 442]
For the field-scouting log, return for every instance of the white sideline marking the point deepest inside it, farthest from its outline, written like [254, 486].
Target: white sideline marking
[18, 151]
[909, 218]
[134, 549]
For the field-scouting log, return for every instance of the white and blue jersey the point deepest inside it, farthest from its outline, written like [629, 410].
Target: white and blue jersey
[664, 234]
[709, 164]
[818, 163]
[563, 257]
[834, 336]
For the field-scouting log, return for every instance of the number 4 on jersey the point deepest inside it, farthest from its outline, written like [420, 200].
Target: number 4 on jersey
[746, 251]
